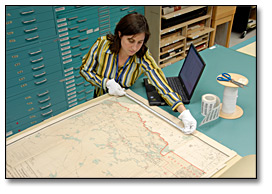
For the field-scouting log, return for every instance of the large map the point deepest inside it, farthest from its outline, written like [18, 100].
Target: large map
[112, 137]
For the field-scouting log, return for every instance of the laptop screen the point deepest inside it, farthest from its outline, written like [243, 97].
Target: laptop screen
[191, 70]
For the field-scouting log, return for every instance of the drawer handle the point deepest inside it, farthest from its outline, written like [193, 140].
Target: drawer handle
[73, 28]
[85, 29]
[72, 38]
[125, 8]
[76, 46]
[40, 82]
[80, 83]
[81, 98]
[27, 12]
[84, 48]
[39, 75]
[77, 76]
[72, 18]
[80, 21]
[132, 11]
[76, 55]
[81, 91]
[31, 30]
[45, 100]
[88, 92]
[76, 68]
[37, 68]
[29, 21]
[44, 107]
[37, 60]
[83, 39]
[44, 114]
[87, 84]
[36, 52]
[33, 38]
[42, 94]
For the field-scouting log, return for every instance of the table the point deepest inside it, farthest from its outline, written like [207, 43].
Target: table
[239, 134]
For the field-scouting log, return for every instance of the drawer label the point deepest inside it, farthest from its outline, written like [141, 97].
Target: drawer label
[62, 29]
[66, 57]
[62, 25]
[72, 85]
[65, 48]
[64, 39]
[72, 93]
[71, 81]
[65, 43]
[71, 97]
[69, 69]
[63, 34]
[61, 20]
[60, 9]
[89, 31]
[66, 52]
[70, 90]
[67, 61]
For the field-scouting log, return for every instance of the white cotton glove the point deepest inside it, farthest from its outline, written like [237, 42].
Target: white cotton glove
[114, 88]
[188, 121]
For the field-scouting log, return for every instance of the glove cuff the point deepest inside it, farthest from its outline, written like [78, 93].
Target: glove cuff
[186, 112]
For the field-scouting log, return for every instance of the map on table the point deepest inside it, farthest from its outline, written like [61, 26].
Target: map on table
[112, 137]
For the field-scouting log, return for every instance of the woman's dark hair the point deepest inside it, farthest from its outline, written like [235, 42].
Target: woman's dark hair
[130, 24]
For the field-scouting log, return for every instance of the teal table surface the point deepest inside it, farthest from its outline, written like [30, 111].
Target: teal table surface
[237, 134]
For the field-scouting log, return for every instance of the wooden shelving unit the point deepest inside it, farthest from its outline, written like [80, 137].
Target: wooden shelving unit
[172, 33]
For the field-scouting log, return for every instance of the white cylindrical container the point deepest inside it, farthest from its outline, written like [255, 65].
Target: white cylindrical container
[229, 100]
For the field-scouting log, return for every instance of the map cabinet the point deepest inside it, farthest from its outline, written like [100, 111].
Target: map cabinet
[172, 33]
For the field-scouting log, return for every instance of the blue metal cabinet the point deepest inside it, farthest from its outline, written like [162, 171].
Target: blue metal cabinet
[44, 50]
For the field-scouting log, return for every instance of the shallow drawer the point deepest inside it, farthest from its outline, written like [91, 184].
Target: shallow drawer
[28, 121]
[17, 110]
[69, 13]
[28, 39]
[28, 30]
[40, 82]
[67, 9]
[31, 50]
[24, 11]
[25, 66]
[19, 80]
[28, 20]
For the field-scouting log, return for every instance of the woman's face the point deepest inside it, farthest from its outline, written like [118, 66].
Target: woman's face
[131, 44]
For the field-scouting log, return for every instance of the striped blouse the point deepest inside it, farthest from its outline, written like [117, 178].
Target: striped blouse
[100, 64]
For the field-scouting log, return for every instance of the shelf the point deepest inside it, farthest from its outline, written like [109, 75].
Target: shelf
[181, 12]
[171, 40]
[172, 49]
[168, 45]
[178, 26]
[200, 33]
[171, 56]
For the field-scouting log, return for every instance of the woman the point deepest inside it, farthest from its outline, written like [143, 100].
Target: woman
[116, 61]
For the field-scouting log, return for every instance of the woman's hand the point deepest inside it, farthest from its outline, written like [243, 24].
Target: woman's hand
[114, 88]
[187, 119]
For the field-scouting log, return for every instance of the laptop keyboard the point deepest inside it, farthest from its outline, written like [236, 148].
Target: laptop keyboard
[176, 86]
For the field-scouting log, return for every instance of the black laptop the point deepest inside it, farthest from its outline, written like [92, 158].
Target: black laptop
[186, 81]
